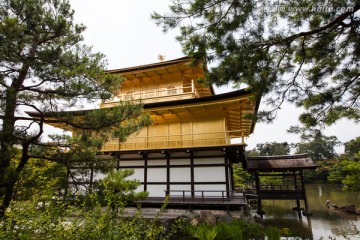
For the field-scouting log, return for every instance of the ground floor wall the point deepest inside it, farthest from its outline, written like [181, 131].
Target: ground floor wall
[180, 171]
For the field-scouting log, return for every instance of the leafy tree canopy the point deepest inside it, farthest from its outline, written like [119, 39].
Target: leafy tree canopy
[319, 148]
[46, 69]
[352, 147]
[305, 52]
[270, 149]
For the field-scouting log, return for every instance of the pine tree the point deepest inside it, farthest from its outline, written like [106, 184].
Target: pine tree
[46, 69]
[305, 52]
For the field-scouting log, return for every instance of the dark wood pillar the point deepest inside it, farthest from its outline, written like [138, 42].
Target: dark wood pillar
[227, 177]
[192, 175]
[258, 192]
[232, 188]
[307, 211]
[298, 207]
[167, 155]
[145, 171]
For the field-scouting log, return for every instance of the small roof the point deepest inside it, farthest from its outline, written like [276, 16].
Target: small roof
[279, 163]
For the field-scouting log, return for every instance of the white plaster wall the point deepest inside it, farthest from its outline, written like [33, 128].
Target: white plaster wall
[156, 190]
[140, 189]
[180, 187]
[138, 174]
[156, 175]
[209, 160]
[180, 175]
[131, 163]
[180, 162]
[209, 174]
[156, 162]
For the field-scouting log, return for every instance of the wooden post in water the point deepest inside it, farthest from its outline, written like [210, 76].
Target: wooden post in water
[257, 182]
[307, 211]
[298, 206]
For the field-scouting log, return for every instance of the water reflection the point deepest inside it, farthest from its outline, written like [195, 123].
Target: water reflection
[323, 223]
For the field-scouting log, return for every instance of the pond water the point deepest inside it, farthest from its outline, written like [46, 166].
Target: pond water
[324, 223]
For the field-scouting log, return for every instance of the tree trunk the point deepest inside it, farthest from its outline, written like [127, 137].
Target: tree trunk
[11, 180]
[8, 139]
[7, 143]
[9, 189]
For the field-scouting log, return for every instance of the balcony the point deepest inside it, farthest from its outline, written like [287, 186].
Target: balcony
[171, 141]
[157, 94]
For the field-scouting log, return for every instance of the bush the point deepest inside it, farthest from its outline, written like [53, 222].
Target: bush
[63, 221]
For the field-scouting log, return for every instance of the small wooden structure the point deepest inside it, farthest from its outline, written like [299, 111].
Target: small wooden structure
[289, 170]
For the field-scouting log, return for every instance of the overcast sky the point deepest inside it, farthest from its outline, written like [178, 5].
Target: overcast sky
[125, 33]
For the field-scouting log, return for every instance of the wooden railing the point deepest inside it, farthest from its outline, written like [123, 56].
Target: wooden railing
[280, 187]
[173, 141]
[200, 195]
[160, 94]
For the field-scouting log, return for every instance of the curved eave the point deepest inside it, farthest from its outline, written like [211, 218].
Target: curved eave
[234, 106]
[151, 66]
[223, 96]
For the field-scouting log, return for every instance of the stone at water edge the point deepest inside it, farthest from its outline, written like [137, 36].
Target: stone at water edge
[207, 217]
[351, 209]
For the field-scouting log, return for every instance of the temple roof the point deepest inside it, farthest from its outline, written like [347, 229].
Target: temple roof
[235, 106]
[163, 64]
[279, 163]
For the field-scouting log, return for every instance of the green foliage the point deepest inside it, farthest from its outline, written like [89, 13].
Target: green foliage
[283, 50]
[45, 71]
[328, 170]
[87, 219]
[62, 221]
[346, 169]
[226, 230]
[272, 180]
[234, 230]
[204, 232]
[40, 178]
[120, 190]
[336, 175]
[352, 147]
[270, 149]
[352, 174]
[242, 179]
[273, 233]
[319, 148]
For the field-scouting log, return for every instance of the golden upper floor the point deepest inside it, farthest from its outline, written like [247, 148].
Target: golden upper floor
[185, 112]
[161, 82]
